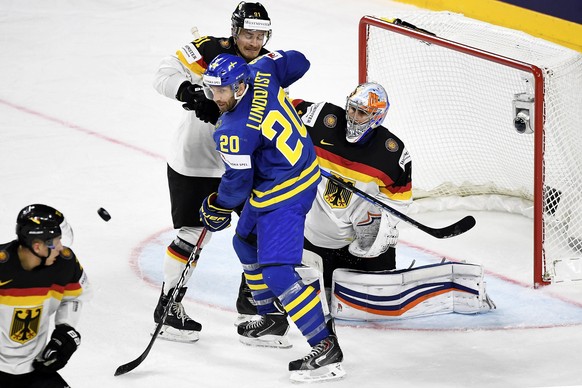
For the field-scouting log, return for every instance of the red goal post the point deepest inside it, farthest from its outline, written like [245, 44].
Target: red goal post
[487, 112]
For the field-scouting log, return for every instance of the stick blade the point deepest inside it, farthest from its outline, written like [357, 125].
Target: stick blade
[123, 369]
[456, 229]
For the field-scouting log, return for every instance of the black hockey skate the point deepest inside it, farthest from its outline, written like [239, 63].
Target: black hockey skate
[245, 304]
[178, 326]
[322, 363]
[268, 330]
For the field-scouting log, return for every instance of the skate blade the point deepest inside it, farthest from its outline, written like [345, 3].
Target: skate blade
[169, 333]
[267, 341]
[325, 373]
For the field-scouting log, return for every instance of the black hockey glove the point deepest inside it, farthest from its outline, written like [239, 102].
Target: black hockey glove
[213, 216]
[195, 100]
[64, 342]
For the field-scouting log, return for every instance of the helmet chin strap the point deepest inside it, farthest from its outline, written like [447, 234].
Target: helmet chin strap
[42, 259]
[239, 98]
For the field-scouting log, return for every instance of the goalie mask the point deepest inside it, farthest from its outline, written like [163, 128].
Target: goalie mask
[366, 109]
[44, 223]
[252, 17]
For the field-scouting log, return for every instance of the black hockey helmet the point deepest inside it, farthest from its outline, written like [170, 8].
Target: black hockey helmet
[251, 16]
[40, 222]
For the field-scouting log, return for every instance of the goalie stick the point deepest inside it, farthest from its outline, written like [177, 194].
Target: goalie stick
[452, 230]
[123, 369]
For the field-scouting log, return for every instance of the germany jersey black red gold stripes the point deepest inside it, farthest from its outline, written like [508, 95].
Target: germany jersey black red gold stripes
[198, 54]
[382, 160]
[28, 299]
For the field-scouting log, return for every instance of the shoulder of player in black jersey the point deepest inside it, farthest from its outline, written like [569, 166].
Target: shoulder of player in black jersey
[67, 254]
[388, 140]
[300, 106]
[8, 250]
[210, 47]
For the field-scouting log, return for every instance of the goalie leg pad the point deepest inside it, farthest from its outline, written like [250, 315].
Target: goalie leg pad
[313, 277]
[313, 260]
[427, 290]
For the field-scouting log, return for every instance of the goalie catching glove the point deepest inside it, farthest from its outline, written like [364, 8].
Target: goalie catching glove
[214, 217]
[195, 100]
[64, 342]
[373, 236]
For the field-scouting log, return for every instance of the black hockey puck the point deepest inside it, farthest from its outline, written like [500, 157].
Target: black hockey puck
[104, 214]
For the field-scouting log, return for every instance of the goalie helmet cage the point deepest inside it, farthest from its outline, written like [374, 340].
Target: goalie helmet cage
[461, 98]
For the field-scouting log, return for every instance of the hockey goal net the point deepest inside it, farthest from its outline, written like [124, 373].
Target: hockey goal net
[490, 115]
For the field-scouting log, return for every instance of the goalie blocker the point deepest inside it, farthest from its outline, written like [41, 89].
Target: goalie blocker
[427, 290]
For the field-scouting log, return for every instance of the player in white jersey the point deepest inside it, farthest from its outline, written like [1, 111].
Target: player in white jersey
[194, 165]
[39, 278]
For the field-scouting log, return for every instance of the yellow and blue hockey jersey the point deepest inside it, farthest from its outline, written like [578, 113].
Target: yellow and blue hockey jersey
[268, 154]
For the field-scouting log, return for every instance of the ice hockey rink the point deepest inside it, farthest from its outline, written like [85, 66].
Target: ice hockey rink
[82, 127]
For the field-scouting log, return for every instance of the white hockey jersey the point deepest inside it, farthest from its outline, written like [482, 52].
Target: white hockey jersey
[28, 300]
[193, 150]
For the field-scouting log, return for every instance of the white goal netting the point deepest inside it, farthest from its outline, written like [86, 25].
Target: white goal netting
[455, 101]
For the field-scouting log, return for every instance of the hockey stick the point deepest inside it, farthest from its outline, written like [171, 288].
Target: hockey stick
[452, 230]
[123, 369]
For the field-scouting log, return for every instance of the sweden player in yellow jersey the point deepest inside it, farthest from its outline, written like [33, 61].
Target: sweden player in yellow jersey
[271, 167]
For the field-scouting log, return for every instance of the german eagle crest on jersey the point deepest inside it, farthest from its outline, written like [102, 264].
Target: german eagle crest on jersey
[25, 323]
[337, 197]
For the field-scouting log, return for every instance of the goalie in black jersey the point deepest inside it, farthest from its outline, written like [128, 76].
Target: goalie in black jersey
[39, 278]
[345, 230]
[351, 240]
